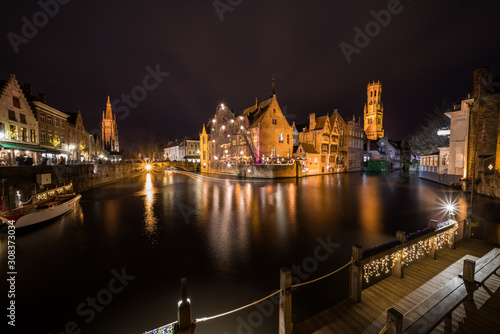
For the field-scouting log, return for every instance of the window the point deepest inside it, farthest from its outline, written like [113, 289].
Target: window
[371, 94]
[24, 134]
[288, 139]
[273, 151]
[375, 93]
[2, 130]
[316, 161]
[13, 132]
[22, 118]
[324, 148]
[288, 153]
[274, 111]
[42, 118]
[275, 121]
[49, 120]
[50, 135]
[62, 124]
[280, 137]
[16, 102]
[378, 120]
[62, 139]
[43, 135]
[255, 137]
[323, 158]
[57, 121]
[33, 136]
[12, 115]
[369, 121]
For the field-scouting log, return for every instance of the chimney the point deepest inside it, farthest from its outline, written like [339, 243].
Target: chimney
[480, 80]
[312, 121]
[28, 89]
[42, 98]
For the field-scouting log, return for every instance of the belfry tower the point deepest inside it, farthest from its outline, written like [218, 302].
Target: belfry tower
[374, 111]
[109, 130]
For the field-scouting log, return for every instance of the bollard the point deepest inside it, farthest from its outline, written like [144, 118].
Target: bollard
[184, 311]
[355, 274]
[394, 321]
[469, 271]
[285, 320]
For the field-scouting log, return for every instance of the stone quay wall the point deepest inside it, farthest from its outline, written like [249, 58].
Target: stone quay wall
[83, 177]
[257, 171]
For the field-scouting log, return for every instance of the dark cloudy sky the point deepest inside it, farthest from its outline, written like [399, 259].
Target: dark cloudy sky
[89, 48]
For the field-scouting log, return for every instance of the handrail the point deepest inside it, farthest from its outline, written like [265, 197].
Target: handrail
[407, 243]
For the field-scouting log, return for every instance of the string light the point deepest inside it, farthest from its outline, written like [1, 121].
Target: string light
[409, 254]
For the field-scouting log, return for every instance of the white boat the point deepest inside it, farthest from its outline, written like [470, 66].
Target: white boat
[49, 208]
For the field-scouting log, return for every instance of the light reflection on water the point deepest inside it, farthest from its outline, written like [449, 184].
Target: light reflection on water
[150, 221]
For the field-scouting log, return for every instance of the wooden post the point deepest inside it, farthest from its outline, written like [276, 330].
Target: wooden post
[285, 319]
[451, 241]
[184, 311]
[468, 228]
[469, 272]
[355, 274]
[398, 270]
[394, 321]
[433, 249]
[433, 223]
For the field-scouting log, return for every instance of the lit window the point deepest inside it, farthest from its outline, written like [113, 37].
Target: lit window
[33, 136]
[280, 137]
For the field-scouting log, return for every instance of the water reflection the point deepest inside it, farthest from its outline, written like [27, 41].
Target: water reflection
[370, 205]
[150, 221]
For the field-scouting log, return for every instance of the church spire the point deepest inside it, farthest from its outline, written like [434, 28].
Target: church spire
[273, 92]
[109, 113]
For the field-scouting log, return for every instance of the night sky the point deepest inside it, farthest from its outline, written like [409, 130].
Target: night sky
[425, 54]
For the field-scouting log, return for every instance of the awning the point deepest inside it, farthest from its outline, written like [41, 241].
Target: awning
[22, 147]
[54, 151]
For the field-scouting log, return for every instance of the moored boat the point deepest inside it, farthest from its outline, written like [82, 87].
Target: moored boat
[49, 208]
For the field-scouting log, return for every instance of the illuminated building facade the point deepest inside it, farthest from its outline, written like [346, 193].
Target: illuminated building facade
[374, 111]
[110, 130]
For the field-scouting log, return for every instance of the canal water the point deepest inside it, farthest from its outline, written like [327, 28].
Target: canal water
[114, 264]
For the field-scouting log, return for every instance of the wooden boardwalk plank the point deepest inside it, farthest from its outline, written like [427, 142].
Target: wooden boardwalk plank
[421, 280]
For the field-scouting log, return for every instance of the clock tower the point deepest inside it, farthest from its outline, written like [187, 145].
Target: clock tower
[374, 111]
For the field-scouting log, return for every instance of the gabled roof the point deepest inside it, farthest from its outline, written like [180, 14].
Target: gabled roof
[308, 148]
[255, 113]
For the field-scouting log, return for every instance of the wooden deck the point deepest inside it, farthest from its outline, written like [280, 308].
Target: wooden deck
[421, 280]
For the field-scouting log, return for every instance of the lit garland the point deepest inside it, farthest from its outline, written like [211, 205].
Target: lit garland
[164, 330]
[376, 267]
[409, 254]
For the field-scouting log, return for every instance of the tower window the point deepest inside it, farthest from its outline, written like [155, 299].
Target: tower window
[371, 94]
[375, 93]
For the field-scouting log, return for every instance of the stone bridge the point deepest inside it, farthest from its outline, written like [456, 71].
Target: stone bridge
[186, 166]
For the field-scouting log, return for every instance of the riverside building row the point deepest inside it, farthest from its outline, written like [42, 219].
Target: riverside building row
[261, 135]
[32, 131]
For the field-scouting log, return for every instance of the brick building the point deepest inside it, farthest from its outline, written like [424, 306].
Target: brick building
[19, 139]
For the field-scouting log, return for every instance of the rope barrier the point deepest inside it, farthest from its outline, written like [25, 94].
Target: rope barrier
[320, 278]
[160, 328]
[386, 327]
[238, 309]
[24, 203]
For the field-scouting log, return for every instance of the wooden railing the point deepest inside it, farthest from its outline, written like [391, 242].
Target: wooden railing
[394, 260]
